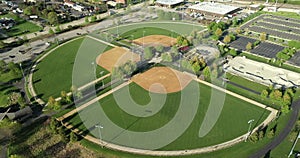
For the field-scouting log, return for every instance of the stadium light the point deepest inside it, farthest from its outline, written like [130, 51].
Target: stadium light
[100, 136]
[250, 123]
[101, 73]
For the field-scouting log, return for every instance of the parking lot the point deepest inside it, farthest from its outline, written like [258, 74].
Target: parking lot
[266, 49]
[295, 60]
[282, 27]
[241, 42]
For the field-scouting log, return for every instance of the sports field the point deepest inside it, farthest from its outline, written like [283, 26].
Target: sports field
[54, 73]
[231, 123]
[176, 27]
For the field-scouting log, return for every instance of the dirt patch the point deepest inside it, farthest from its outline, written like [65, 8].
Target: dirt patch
[116, 57]
[162, 80]
[154, 40]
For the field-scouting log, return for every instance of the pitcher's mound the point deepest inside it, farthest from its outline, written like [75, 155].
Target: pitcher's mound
[162, 80]
[116, 57]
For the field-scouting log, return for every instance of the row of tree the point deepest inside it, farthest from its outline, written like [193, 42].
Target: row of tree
[65, 99]
[123, 70]
[285, 97]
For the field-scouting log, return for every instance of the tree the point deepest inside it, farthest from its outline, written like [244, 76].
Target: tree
[166, 57]
[196, 67]
[2, 44]
[235, 21]
[206, 73]
[249, 46]
[233, 52]
[28, 10]
[286, 99]
[285, 109]
[276, 94]
[227, 39]
[261, 134]
[52, 18]
[271, 133]
[54, 125]
[179, 40]
[238, 30]
[214, 73]
[148, 53]
[73, 137]
[93, 18]
[159, 48]
[263, 36]
[218, 32]
[51, 31]
[185, 42]
[64, 96]
[58, 29]
[264, 93]
[254, 137]
[14, 98]
[86, 19]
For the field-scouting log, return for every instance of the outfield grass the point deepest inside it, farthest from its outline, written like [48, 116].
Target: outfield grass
[171, 26]
[54, 72]
[138, 33]
[231, 124]
[22, 25]
[243, 149]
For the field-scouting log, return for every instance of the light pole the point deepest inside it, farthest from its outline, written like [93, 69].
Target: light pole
[250, 123]
[101, 73]
[291, 152]
[20, 64]
[143, 38]
[93, 64]
[100, 136]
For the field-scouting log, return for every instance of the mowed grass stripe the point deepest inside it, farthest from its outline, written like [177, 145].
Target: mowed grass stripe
[231, 124]
[176, 27]
[54, 72]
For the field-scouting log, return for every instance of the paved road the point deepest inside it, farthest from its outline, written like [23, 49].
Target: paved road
[284, 133]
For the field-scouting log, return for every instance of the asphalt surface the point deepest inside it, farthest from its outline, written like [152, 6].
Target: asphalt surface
[284, 133]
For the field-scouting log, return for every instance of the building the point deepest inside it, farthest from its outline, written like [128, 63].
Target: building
[168, 3]
[213, 9]
[262, 73]
[206, 52]
[121, 1]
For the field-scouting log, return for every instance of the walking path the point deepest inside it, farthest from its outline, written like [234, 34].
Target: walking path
[101, 41]
[227, 144]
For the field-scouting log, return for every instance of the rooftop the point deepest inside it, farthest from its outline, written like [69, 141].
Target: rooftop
[216, 8]
[169, 2]
[264, 71]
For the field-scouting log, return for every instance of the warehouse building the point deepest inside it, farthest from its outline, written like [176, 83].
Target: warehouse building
[169, 3]
[262, 73]
[213, 9]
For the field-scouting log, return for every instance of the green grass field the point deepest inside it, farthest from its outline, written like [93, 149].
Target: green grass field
[231, 124]
[22, 25]
[170, 26]
[54, 73]
[138, 33]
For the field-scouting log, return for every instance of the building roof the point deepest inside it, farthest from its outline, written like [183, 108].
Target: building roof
[169, 2]
[264, 71]
[216, 8]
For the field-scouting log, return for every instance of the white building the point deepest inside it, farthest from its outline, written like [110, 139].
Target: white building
[213, 9]
[262, 73]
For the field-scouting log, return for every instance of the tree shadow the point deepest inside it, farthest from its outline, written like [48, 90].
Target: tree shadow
[36, 81]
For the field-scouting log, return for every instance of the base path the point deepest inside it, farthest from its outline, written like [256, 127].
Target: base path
[99, 40]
